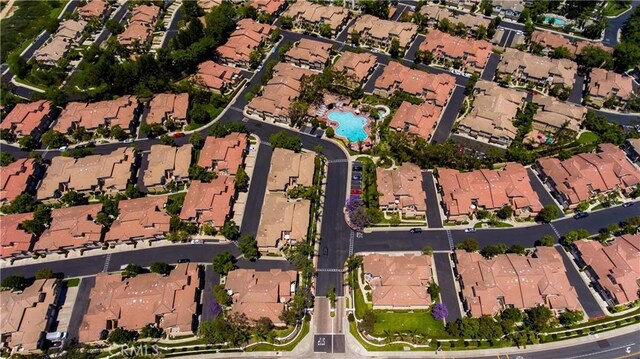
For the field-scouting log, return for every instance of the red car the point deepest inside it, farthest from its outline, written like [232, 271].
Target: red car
[177, 135]
[356, 191]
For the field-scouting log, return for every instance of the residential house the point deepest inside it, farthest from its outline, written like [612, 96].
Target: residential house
[271, 7]
[94, 174]
[432, 14]
[401, 189]
[378, 33]
[554, 114]
[632, 147]
[261, 294]
[586, 175]
[119, 112]
[490, 119]
[28, 315]
[168, 107]
[433, 88]
[540, 71]
[605, 85]
[168, 302]
[167, 164]
[141, 25]
[310, 54]
[418, 120]
[17, 177]
[139, 219]
[248, 36]
[69, 33]
[464, 193]
[398, 281]
[513, 280]
[15, 242]
[551, 41]
[28, 119]
[224, 155]
[310, 16]
[473, 54]
[207, 5]
[71, 228]
[209, 202]
[356, 66]
[614, 268]
[94, 8]
[217, 78]
[508, 9]
[282, 222]
[289, 169]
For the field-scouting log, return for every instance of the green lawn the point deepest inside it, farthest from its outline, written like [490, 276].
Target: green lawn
[614, 8]
[418, 321]
[588, 138]
[288, 347]
[73, 282]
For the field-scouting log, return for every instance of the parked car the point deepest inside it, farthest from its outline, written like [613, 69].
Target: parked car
[415, 230]
[63, 148]
[128, 140]
[177, 135]
[469, 230]
[356, 166]
[197, 241]
[627, 204]
[580, 215]
[357, 177]
[356, 191]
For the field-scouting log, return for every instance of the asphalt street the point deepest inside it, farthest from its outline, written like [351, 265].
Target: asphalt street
[257, 189]
[490, 68]
[448, 118]
[80, 306]
[543, 195]
[615, 24]
[589, 303]
[433, 206]
[448, 292]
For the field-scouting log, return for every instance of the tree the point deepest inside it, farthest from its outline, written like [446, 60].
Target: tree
[434, 291]
[440, 311]
[548, 213]
[368, 321]
[573, 236]
[469, 245]
[167, 140]
[489, 328]
[357, 213]
[594, 56]
[296, 308]
[13, 282]
[122, 336]
[151, 331]
[6, 135]
[196, 140]
[377, 8]
[571, 317]
[427, 251]
[73, 198]
[221, 295]
[249, 247]
[6, 159]
[201, 174]
[53, 139]
[28, 143]
[325, 30]
[44, 273]
[505, 212]
[155, 129]
[511, 313]
[539, 319]
[223, 263]
[241, 179]
[40, 222]
[282, 139]
[394, 49]
[132, 270]
[132, 191]
[330, 132]
[561, 52]
[355, 38]
[298, 113]
[114, 26]
[161, 268]
[286, 22]
[491, 250]
[247, 11]
[263, 327]
[118, 133]
[516, 248]
[424, 56]
[230, 230]
[547, 240]
[23, 203]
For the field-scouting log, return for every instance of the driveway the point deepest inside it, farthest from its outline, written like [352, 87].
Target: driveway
[80, 306]
[588, 302]
[449, 116]
[257, 189]
[448, 292]
[576, 91]
[545, 197]
[490, 68]
[433, 205]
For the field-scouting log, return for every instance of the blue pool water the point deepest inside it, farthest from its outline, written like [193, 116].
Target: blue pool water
[350, 125]
[558, 22]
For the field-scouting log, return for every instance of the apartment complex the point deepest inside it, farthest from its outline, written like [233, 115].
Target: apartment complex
[378, 33]
[309, 54]
[465, 193]
[14, 241]
[167, 164]
[119, 112]
[17, 177]
[169, 302]
[224, 155]
[216, 77]
[248, 36]
[540, 71]
[554, 114]
[94, 8]
[271, 7]
[491, 118]
[282, 222]
[551, 41]
[279, 93]
[141, 25]
[586, 175]
[71, 228]
[28, 315]
[605, 85]
[418, 120]
[433, 14]
[474, 54]
[209, 202]
[398, 281]
[261, 294]
[433, 88]
[93, 174]
[401, 189]
[168, 107]
[309, 16]
[28, 119]
[290, 169]
[356, 66]
[614, 268]
[69, 34]
[139, 219]
[513, 280]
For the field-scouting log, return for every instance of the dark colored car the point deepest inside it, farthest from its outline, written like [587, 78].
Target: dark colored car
[627, 204]
[415, 230]
[356, 166]
[357, 177]
[184, 260]
[580, 215]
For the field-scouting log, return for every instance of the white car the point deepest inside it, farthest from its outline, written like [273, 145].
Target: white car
[63, 148]
[128, 140]
[196, 241]
[469, 230]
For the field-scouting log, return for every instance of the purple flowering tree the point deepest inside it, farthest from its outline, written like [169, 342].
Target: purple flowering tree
[357, 213]
[440, 311]
[214, 308]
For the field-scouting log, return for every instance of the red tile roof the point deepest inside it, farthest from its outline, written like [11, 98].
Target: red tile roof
[72, 227]
[216, 76]
[15, 178]
[419, 120]
[224, 155]
[26, 117]
[168, 104]
[474, 53]
[433, 88]
[140, 218]
[209, 202]
[14, 240]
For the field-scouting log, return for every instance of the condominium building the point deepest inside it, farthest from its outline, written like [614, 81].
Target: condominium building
[139, 219]
[108, 114]
[165, 165]
[209, 203]
[168, 107]
[224, 155]
[474, 54]
[401, 189]
[309, 54]
[540, 71]
[310, 16]
[379, 33]
[289, 169]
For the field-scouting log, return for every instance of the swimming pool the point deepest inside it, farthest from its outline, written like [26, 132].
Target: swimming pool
[350, 125]
[557, 22]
